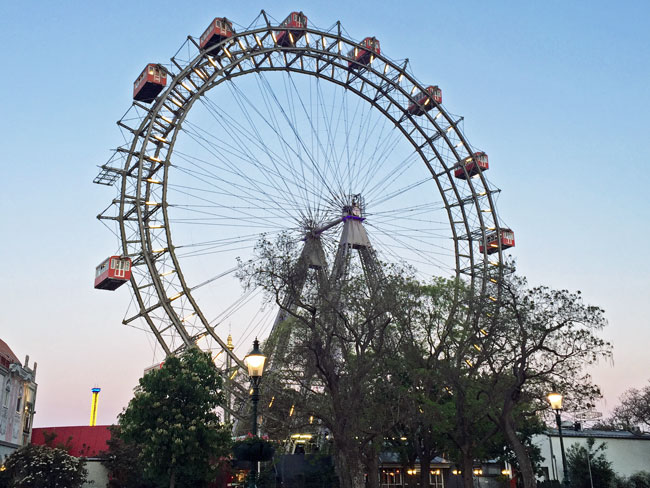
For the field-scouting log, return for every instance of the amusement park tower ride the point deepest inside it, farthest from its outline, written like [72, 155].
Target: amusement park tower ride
[93, 406]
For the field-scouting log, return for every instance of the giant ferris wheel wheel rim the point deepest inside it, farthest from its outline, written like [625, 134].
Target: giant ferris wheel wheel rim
[385, 84]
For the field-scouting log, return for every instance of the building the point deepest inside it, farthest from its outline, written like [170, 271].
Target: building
[628, 452]
[79, 441]
[17, 398]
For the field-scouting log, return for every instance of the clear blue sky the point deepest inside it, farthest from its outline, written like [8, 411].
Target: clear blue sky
[555, 92]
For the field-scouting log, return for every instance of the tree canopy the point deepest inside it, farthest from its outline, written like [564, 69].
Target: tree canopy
[172, 419]
[43, 467]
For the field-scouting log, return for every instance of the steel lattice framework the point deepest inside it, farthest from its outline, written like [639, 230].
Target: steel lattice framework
[140, 168]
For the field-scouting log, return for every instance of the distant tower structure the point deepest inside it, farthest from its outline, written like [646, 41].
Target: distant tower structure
[93, 406]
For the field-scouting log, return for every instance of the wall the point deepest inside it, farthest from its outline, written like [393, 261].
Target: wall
[628, 453]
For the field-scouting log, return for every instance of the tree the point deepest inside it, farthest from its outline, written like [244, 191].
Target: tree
[442, 407]
[337, 330]
[588, 466]
[44, 467]
[172, 419]
[123, 462]
[634, 410]
[540, 337]
[640, 479]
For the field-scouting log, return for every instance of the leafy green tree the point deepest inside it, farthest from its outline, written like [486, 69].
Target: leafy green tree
[123, 462]
[43, 467]
[172, 419]
[588, 466]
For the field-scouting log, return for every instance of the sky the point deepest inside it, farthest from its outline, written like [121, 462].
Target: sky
[555, 92]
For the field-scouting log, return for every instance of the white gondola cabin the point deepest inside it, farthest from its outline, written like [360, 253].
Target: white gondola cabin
[296, 22]
[472, 165]
[218, 30]
[112, 273]
[150, 83]
[424, 100]
[363, 55]
[505, 236]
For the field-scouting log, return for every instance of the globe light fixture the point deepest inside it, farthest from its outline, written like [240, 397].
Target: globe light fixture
[255, 361]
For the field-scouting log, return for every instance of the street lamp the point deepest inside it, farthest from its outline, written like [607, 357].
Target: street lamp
[555, 399]
[255, 363]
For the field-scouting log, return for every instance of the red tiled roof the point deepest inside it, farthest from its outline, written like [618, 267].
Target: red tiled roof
[7, 353]
[82, 440]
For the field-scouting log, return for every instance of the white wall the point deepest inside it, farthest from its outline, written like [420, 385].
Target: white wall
[626, 455]
[97, 474]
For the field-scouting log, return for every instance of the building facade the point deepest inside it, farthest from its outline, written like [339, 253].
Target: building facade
[628, 452]
[17, 398]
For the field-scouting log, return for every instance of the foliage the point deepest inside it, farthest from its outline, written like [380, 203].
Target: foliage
[451, 371]
[640, 479]
[634, 411]
[123, 462]
[339, 332]
[44, 467]
[540, 337]
[172, 419]
[589, 464]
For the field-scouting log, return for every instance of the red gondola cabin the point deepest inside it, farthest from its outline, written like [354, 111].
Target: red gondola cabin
[296, 21]
[150, 83]
[507, 240]
[363, 55]
[112, 273]
[472, 165]
[218, 30]
[423, 100]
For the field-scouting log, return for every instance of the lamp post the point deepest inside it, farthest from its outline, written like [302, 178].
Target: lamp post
[555, 399]
[255, 363]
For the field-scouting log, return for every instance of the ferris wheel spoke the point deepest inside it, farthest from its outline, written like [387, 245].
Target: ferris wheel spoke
[301, 146]
[236, 190]
[289, 174]
[256, 186]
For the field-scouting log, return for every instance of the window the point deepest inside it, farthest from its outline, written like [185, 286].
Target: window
[113, 263]
[19, 402]
[435, 479]
[7, 391]
[391, 478]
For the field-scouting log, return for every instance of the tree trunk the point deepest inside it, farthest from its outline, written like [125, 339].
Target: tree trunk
[372, 469]
[525, 465]
[172, 479]
[349, 469]
[467, 469]
[425, 467]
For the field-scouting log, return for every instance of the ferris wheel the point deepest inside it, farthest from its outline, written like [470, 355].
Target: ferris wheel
[285, 128]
